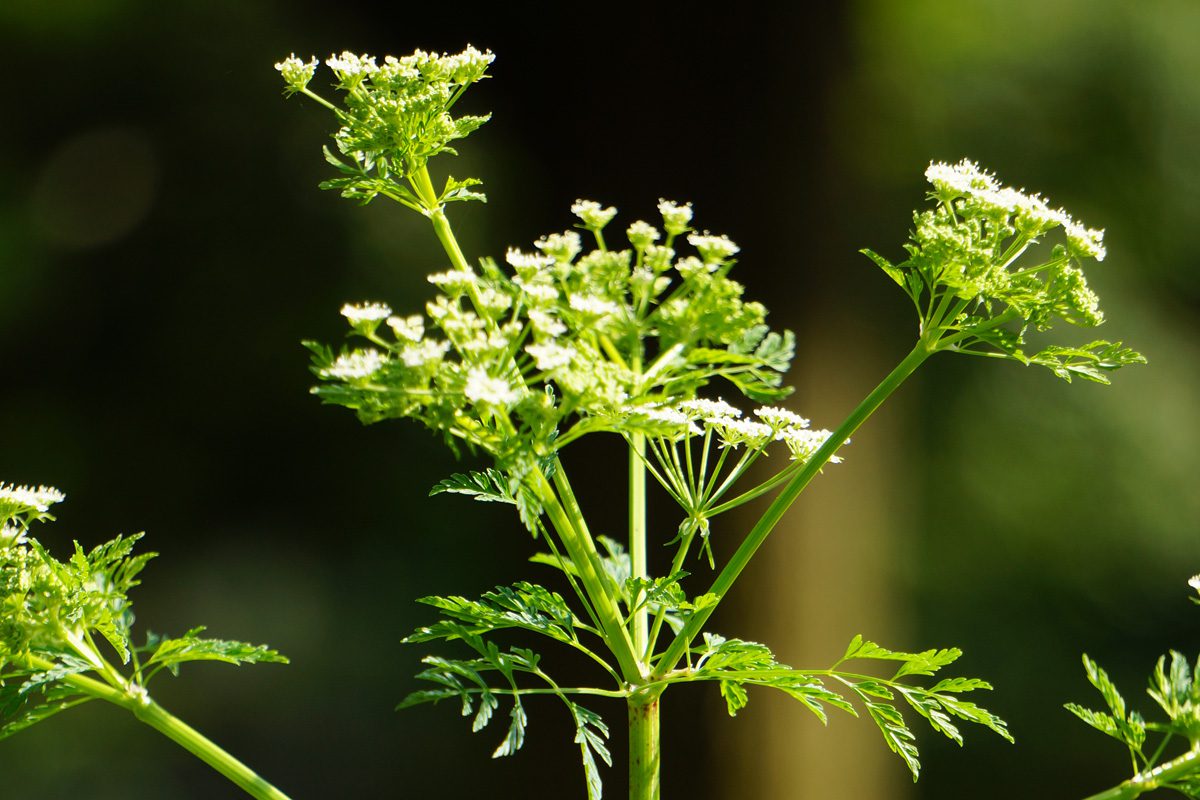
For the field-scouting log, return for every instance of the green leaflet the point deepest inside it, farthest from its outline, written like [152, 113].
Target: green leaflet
[169, 653]
[738, 664]
[466, 680]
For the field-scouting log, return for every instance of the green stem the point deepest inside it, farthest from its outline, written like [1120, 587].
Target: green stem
[175, 729]
[1187, 764]
[572, 531]
[784, 500]
[200, 746]
[637, 538]
[644, 747]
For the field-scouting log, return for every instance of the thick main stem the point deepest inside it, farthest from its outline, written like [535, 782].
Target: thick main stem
[644, 747]
[1174, 770]
[784, 500]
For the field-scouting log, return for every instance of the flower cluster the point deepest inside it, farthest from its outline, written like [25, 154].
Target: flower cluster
[1029, 213]
[979, 283]
[396, 116]
[565, 340]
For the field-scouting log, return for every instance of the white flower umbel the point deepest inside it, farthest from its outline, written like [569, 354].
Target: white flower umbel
[803, 443]
[454, 280]
[1031, 213]
[780, 419]
[39, 499]
[483, 389]
[550, 356]
[355, 365]
[642, 235]
[676, 217]
[593, 215]
[592, 306]
[11, 535]
[467, 66]
[424, 352]
[410, 328]
[546, 324]
[540, 294]
[733, 432]
[365, 312]
[713, 249]
[562, 247]
[700, 408]
[296, 73]
[527, 264]
[350, 65]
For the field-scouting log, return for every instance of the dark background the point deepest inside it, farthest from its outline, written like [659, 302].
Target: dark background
[163, 249]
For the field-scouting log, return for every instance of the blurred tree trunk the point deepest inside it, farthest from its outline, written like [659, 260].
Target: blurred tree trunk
[826, 574]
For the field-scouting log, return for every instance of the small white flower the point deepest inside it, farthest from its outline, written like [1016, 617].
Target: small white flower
[562, 247]
[355, 365]
[550, 356]
[658, 257]
[410, 328]
[665, 415]
[699, 408]
[493, 301]
[592, 305]
[546, 323]
[1194, 582]
[350, 65]
[527, 263]
[296, 73]
[395, 70]
[733, 432]
[454, 278]
[804, 443]
[689, 266]
[482, 388]
[540, 293]
[467, 66]
[1087, 242]
[423, 352]
[365, 312]
[962, 178]
[780, 418]
[713, 249]
[593, 215]
[40, 498]
[671, 416]
[11, 535]
[642, 234]
[676, 218]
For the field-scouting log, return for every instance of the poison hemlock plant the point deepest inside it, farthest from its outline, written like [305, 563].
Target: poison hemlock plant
[1175, 689]
[67, 625]
[630, 334]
